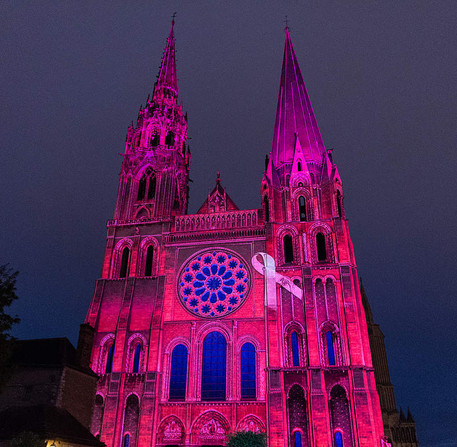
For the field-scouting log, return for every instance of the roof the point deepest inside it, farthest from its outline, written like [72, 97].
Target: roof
[295, 118]
[46, 421]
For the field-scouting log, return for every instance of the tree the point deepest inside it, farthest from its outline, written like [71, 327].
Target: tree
[246, 439]
[27, 439]
[7, 296]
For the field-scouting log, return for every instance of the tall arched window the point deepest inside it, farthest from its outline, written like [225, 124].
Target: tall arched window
[267, 208]
[330, 348]
[137, 359]
[340, 417]
[321, 248]
[149, 259]
[170, 138]
[248, 374]
[124, 262]
[302, 208]
[97, 417]
[109, 359]
[288, 249]
[178, 373]
[214, 367]
[295, 349]
[297, 439]
[298, 419]
[299, 168]
[131, 419]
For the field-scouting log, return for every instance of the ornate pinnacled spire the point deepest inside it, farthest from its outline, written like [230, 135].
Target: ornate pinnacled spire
[167, 74]
[294, 115]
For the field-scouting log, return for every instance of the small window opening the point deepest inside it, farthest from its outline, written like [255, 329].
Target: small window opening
[295, 351]
[288, 249]
[338, 439]
[170, 138]
[149, 259]
[155, 140]
[338, 203]
[109, 360]
[267, 208]
[302, 208]
[124, 263]
[126, 441]
[248, 371]
[183, 148]
[330, 348]
[136, 359]
[321, 249]
[299, 168]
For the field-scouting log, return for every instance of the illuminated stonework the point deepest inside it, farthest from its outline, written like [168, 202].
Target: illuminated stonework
[213, 284]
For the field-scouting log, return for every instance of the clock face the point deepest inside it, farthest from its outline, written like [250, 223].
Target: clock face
[214, 283]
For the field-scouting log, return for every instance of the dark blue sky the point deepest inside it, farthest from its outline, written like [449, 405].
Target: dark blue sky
[382, 79]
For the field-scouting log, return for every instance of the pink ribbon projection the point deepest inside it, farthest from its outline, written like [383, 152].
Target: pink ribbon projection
[271, 278]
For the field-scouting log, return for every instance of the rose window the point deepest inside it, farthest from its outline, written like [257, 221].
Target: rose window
[213, 284]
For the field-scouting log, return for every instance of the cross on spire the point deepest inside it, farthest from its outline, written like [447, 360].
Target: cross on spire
[173, 18]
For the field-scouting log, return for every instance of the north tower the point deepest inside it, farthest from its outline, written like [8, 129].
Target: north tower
[231, 319]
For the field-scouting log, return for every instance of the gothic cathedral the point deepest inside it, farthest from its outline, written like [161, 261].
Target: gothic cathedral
[231, 320]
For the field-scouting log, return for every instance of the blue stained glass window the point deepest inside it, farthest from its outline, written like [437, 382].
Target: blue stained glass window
[338, 439]
[109, 360]
[330, 348]
[248, 376]
[214, 367]
[295, 352]
[297, 439]
[136, 359]
[126, 440]
[178, 376]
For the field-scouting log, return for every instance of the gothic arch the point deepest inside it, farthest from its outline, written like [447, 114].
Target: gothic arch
[210, 427]
[326, 231]
[252, 423]
[142, 213]
[171, 431]
[304, 192]
[104, 346]
[144, 245]
[296, 327]
[118, 251]
[131, 346]
[325, 328]
[288, 230]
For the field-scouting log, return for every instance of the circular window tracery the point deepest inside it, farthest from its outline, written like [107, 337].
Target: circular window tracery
[213, 284]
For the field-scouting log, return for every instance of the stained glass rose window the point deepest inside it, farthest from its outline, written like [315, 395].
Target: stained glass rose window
[213, 284]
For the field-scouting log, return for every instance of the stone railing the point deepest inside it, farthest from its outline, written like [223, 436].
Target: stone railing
[217, 221]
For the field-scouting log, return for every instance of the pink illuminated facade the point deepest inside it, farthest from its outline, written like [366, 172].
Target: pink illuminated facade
[230, 319]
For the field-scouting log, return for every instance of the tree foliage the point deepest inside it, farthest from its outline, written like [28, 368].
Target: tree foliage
[7, 296]
[27, 439]
[246, 439]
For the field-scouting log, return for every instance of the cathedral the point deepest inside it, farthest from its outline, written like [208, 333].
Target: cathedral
[233, 320]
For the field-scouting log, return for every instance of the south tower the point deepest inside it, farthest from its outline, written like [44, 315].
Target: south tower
[228, 319]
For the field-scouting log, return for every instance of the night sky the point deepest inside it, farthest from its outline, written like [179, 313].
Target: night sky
[382, 80]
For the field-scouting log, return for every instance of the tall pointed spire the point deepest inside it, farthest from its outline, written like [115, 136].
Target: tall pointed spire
[294, 115]
[167, 75]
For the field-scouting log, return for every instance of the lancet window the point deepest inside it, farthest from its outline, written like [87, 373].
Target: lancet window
[339, 203]
[131, 419]
[149, 261]
[124, 262]
[170, 138]
[214, 364]
[266, 205]
[248, 371]
[321, 247]
[288, 249]
[295, 349]
[147, 186]
[302, 208]
[109, 358]
[155, 139]
[296, 403]
[137, 359]
[178, 373]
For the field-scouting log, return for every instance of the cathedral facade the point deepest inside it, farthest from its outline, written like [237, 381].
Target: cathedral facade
[231, 320]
